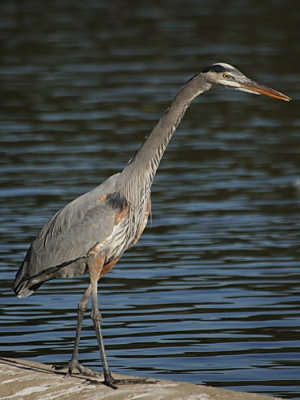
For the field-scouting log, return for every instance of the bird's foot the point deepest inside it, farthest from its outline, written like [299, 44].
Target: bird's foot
[114, 383]
[74, 364]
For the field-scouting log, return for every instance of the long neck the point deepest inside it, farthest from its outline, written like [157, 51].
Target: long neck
[139, 173]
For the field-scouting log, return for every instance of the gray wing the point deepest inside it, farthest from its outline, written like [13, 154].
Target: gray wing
[61, 247]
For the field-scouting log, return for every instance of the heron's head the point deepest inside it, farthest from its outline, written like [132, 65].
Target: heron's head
[229, 76]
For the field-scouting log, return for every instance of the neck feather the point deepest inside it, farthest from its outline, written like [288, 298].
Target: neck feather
[139, 173]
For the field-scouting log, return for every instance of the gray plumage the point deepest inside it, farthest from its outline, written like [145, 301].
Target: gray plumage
[62, 246]
[92, 232]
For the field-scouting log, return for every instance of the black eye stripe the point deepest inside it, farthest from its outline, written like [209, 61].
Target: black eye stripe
[215, 68]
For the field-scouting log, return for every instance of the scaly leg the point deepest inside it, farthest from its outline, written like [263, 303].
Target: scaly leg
[108, 378]
[74, 363]
[96, 317]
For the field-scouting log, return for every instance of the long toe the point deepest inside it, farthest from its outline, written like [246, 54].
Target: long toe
[75, 365]
[114, 383]
[134, 381]
[110, 381]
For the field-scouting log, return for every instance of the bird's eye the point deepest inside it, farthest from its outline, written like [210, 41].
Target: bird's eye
[226, 76]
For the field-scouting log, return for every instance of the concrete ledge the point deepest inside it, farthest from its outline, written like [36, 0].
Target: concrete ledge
[27, 380]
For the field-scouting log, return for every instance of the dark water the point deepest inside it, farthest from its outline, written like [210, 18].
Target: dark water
[210, 294]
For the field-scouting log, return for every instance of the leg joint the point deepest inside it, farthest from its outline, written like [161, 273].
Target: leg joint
[82, 304]
[96, 316]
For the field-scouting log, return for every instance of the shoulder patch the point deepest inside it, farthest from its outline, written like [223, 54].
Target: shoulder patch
[117, 201]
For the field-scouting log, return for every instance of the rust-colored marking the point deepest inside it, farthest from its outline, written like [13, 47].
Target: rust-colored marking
[107, 267]
[120, 215]
[95, 266]
[103, 197]
[92, 251]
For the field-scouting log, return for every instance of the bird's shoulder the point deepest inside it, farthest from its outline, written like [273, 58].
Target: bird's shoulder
[81, 224]
[95, 208]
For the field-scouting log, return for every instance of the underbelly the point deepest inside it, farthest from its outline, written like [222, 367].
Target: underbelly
[125, 235]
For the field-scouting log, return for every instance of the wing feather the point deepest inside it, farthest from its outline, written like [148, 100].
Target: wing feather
[66, 239]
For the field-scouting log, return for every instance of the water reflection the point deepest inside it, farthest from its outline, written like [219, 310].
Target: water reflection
[210, 294]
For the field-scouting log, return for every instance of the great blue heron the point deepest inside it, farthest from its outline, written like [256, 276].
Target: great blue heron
[91, 233]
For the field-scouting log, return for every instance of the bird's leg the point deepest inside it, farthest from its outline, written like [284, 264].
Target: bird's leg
[74, 363]
[108, 378]
[96, 318]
